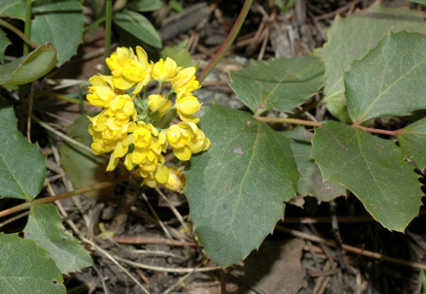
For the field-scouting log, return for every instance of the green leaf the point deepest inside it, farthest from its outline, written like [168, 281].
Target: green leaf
[22, 168]
[145, 5]
[139, 26]
[311, 182]
[44, 227]
[4, 42]
[419, 1]
[13, 8]
[413, 142]
[236, 189]
[27, 269]
[61, 23]
[180, 54]
[278, 84]
[351, 38]
[373, 169]
[28, 68]
[82, 167]
[385, 81]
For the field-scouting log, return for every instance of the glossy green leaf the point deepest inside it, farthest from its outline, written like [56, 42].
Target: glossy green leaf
[413, 142]
[60, 23]
[385, 81]
[139, 26]
[27, 269]
[44, 227]
[351, 38]
[28, 68]
[22, 167]
[145, 5]
[180, 54]
[13, 8]
[311, 182]
[373, 169]
[4, 42]
[82, 167]
[278, 84]
[236, 189]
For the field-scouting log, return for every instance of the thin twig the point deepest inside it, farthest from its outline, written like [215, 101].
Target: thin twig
[114, 260]
[27, 27]
[61, 135]
[303, 122]
[14, 218]
[178, 283]
[157, 218]
[26, 205]
[179, 270]
[352, 249]
[229, 40]
[174, 210]
[149, 240]
[19, 33]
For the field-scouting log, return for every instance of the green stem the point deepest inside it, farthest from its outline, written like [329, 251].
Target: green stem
[94, 24]
[108, 23]
[229, 40]
[18, 32]
[27, 30]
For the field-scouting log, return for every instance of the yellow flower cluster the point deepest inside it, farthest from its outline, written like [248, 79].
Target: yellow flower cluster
[138, 130]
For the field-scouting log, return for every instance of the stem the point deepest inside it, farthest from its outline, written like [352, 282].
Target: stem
[94, 24]
[26, 205]
[30, 112]
[108, 23]
[287, 120]
[27, 29]
[229, 40]
[303, 122]
[18, 32]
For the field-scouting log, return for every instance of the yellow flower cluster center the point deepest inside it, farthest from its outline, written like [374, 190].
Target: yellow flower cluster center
[140, 129]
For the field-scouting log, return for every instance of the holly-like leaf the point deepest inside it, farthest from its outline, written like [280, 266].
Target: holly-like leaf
[4, 42]
[82, 167]
[45, 228]
[351, 38]
[236, 189]
[22, 168]
[28, 68]
[278, 84]
[13, 8]
[26, 268]
[413, 142]
[145, 5]
[311, 182]
[385, 81]
[139, 26]
[373, 169]
[49, 26]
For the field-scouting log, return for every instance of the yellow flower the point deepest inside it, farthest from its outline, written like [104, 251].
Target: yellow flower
[186, 138]
[148, 143]
[159, 103]
[108, 126]
[120, 150]
[185, 82]
[101, 92]
[176, 180]
[122, 108]
[164, 70]
[186, 106]
[129, 69]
